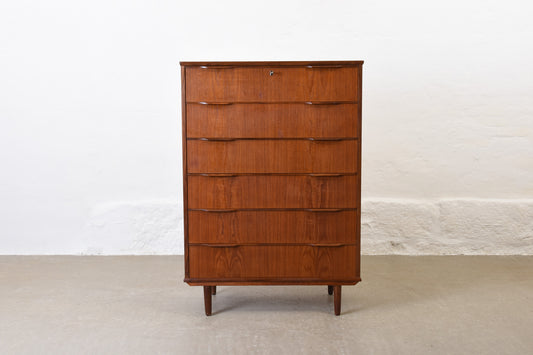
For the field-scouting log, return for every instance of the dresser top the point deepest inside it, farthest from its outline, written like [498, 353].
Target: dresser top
[277, 63]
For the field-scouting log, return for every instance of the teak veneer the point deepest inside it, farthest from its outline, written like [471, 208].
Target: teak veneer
[272, 174]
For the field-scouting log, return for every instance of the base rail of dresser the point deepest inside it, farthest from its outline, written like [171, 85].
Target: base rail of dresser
[268, 282]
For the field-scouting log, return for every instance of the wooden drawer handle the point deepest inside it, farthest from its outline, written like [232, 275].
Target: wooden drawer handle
[323, 66]
[328, 245]
[325, 139]
[218, 139]
[216, 211]
[325, 175]
[215, 103]
[323, 209]
[220, 245]
[216, 67]
[321, 103]
[218, 175]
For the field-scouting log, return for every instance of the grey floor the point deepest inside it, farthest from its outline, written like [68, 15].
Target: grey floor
[139, 305]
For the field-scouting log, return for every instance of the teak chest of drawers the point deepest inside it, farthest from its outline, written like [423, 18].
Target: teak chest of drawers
[272, 174]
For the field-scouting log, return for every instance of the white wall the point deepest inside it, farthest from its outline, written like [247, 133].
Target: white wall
[90, 106]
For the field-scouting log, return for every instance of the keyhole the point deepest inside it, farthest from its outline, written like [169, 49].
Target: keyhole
[271, 73]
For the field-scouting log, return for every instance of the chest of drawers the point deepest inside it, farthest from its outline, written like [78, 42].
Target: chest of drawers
[272, 174]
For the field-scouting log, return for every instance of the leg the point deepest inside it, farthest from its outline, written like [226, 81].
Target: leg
[330, 290]
[213, 290]
[337, 299]
[207, 300]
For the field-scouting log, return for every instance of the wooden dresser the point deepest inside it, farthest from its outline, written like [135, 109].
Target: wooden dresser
[272, 174]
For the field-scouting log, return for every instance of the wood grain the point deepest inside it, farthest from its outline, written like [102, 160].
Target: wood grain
[252, 84]
[272, 226]
[290, 120]
[274, 261]
[272, 191]
[272, 156]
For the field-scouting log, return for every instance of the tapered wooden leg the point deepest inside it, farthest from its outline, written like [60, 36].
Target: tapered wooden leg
[337, 299]
[207, 300]
[213, 290]
[330, 290]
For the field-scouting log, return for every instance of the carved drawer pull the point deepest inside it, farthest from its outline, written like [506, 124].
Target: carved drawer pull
[325, 139]
[215, 103]
[216, 67]
[323, 209]
[324, 66]
[328, 245]
[325, 175]
[218, 139]
[323, 103]
[216, 211]
[221, 245]
[218, 175]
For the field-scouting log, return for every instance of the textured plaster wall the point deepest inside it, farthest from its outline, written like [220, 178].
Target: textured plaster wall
[90, 104]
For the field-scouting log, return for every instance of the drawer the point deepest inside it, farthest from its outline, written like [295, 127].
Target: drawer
[255, 84]
[289, 120]
[272, 191]
[274, 226]
[274, 261]
[272, 156]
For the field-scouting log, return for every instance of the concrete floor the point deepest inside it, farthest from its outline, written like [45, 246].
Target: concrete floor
[138, 305]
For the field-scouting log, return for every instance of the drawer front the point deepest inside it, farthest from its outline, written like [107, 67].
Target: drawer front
[272, 156]
[272, 191]
[242, 84]
[274, 261]
[285, 226]
[291, 120]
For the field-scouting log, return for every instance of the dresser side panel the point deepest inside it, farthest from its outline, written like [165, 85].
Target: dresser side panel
[359, 165]
[184, 163]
